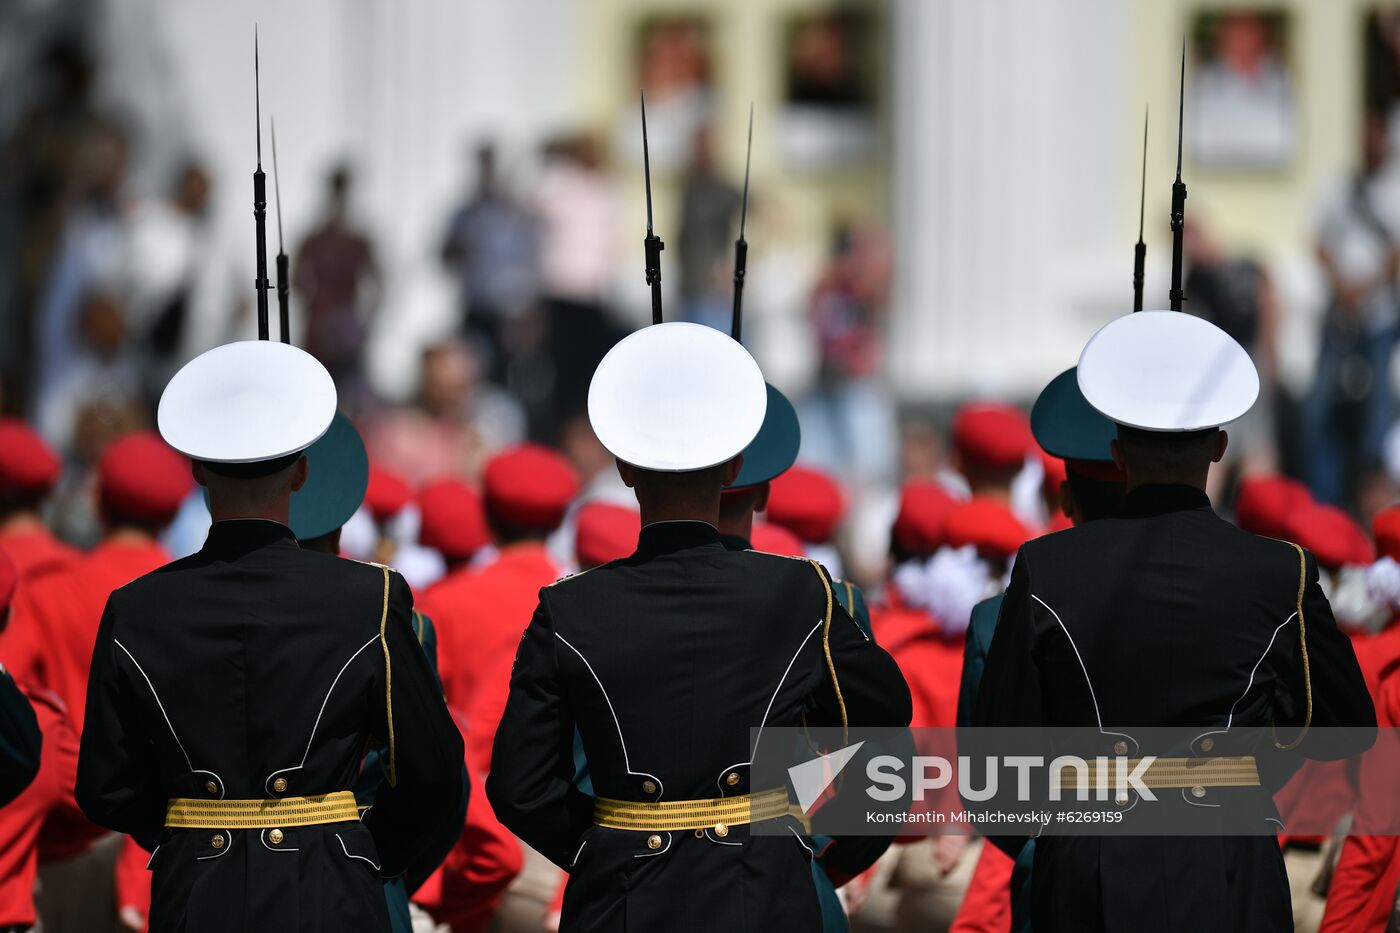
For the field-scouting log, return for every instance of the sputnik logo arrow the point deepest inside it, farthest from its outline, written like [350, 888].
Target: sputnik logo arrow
[811, 778]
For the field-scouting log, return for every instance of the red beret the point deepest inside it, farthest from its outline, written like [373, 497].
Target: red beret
[9, 579]
[986, 524]
[1385, 528]
[918, 528]
[386, 493]
[806, 502]
[775, 539]
[453, 522]
[993, 435]
[605, 532]
[529, 486]
[28, 466]
[1333, 536]
[1265, 502]
[140, 478]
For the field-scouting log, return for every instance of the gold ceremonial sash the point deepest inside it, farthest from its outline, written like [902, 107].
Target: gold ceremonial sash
[678, 815]
[1236, 771]
[190, 813]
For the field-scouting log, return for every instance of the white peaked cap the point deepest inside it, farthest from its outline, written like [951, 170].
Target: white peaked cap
[247, 402]
[1167, 371]
[677, 397]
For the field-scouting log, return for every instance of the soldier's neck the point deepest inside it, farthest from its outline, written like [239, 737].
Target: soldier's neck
[268, 511]
[680, 512]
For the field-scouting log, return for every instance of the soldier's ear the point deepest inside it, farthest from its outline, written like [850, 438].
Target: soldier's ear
[1117, 450]
[197, 471]
[299, 472]
[761, 503]
[731, 470]
[1222, 441]
[628, 473]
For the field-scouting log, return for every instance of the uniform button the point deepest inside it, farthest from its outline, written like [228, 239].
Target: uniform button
[1120, 748]
[1198, 791]
[1207, 744]
[279, 785]
[648, 787]
[732, 778]
[218, 841]
[653, 841]
[699, 834]
[211, 787]
[1121, 800]
[275, 837]
[721, 830]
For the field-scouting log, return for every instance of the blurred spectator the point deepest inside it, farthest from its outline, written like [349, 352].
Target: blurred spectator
[1352, 402]
[709, 216]
[337, 276]
[847, 420]
[38, 167]
[1236, 294]
[82, 315]
[452, 427]
[182, 292]
[492, 248]
[578, 213]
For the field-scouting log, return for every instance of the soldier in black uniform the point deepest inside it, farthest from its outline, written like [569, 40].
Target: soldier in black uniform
[233, 694]
[665, 660]
[1169, 616]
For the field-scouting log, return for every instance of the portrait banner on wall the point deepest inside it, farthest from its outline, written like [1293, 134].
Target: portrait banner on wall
[1241, 95]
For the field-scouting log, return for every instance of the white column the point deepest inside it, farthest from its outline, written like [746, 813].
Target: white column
[1010, 148]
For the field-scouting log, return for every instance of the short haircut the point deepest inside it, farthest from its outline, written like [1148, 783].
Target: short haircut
[1166, 452]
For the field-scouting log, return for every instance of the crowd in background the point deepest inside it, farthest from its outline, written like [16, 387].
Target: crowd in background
[105, 292]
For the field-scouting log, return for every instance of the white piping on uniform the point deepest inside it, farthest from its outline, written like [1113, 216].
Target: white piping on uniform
[152, 858]
[263, 837]
[1230, 719]
[159, 704]
[1092, 696]
[309, 742]
[347, 851]
[771, 700]
[626, 762]
[802, 842]
[579, 851]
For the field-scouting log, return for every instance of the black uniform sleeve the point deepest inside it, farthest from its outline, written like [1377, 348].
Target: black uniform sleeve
[1343, 715]
[424, 790]
[872, 688]
[118, 773]
[20, 741]
[531, 784]
[1009, 694]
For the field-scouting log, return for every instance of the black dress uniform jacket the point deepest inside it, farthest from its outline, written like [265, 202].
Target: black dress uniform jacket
[664, 662]
[250, 663]
[1171, 617]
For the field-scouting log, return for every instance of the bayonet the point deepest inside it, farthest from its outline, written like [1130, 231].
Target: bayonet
[1139, 251]
[741, 246]
[260, 284]
[284, 285]
[1177, 294]
[652, 243]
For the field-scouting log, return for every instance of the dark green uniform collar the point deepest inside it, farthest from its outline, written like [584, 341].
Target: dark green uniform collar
[1149, 500]
[667, 537]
